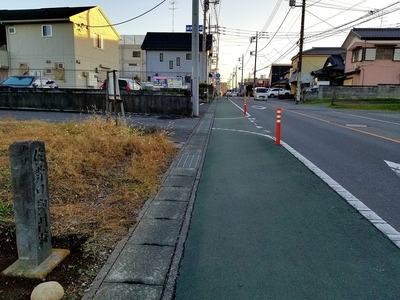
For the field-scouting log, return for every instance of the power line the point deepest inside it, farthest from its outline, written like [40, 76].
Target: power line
[137, 17]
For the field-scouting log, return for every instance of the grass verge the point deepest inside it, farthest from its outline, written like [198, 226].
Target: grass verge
[375, 104]
[100, 175]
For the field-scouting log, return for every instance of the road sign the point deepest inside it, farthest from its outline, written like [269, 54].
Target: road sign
[218, 75]
[218, 83]
[189, 28]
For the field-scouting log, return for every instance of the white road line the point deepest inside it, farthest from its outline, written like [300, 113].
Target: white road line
[391, 233]
[356, 125]
[395, 167]
[368, 118]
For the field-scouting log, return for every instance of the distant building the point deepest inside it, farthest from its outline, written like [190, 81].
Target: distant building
[132, 59]
[313, 59]
[278, 74]
[169, 54]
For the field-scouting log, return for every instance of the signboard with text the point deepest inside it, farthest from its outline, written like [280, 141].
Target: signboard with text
[160, 81]
[175, 82]
[189, 28]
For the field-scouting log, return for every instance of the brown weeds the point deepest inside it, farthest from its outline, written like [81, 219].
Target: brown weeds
[99, 174]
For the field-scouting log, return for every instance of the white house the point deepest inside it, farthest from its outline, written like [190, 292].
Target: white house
[168, 54]
[132, 59]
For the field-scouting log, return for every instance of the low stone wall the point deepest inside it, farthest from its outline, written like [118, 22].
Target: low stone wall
[382, 91]
[141, 102]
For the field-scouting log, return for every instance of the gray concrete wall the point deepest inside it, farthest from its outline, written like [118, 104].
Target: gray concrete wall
[382, 91]
[142, 102]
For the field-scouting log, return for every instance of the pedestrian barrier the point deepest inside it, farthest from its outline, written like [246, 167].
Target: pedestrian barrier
[278, 126]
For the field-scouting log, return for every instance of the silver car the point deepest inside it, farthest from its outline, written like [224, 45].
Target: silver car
[260, 93]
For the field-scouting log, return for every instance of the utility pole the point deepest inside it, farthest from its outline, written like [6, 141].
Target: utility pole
[173, 12]
[236, 76]
[204, 48]
[242, 66]
[292, 3]
[195, 57]
[255, 59]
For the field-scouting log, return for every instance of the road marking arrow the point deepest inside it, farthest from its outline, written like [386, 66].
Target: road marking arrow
[395, 167]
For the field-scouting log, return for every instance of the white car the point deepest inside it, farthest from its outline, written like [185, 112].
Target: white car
[275, 92]
[260, 93]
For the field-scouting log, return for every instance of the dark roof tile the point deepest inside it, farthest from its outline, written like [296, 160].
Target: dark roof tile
[324, 51]
[172, 41]
[377, 33]
[42, 14]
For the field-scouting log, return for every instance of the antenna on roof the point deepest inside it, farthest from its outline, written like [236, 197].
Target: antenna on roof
[173, 10]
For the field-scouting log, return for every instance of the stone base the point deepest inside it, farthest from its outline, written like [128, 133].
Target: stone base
[19, 269]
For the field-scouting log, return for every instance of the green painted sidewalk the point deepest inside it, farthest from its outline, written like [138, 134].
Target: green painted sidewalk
[265, 227]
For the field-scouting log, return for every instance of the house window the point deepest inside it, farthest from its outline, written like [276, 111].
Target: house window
[370, 53]
[357, 55]
[396, 54]
[384, 53]
[171, 64]
[161, 57]
[136, 54]
[59, 65]
[11, 30]
[188, 56]
[178, 61]
[98, 41]
[46, 30]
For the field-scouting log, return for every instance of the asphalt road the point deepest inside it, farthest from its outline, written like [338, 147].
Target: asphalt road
[264, 226]
[179, 128]
[351, 146]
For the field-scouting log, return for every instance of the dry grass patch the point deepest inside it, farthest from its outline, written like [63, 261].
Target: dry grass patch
[99, 175]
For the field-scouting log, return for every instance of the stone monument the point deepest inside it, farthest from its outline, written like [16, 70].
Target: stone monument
[36, 258]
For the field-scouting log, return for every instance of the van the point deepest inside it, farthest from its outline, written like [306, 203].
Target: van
[260, 93]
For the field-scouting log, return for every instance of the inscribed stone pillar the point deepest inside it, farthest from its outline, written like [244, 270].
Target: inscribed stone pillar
[31, 202]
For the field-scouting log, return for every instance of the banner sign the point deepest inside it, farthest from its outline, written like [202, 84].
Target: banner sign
[175, 82]
[160, 81]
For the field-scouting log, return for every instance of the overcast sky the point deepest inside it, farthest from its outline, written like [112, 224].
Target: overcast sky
[327, 23]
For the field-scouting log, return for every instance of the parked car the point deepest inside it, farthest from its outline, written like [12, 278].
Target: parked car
[312, 90]
[275, 92]
[125, 84]
[260, 93]
[28, 82]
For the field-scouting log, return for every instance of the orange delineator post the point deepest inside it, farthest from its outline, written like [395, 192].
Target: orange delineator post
[278, 126]
[245, 107]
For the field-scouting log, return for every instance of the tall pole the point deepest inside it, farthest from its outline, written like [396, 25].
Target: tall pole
[236, 76]
[195, 57]
[204, 48]
[242, 69]
[300, 61]
[255, 60]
